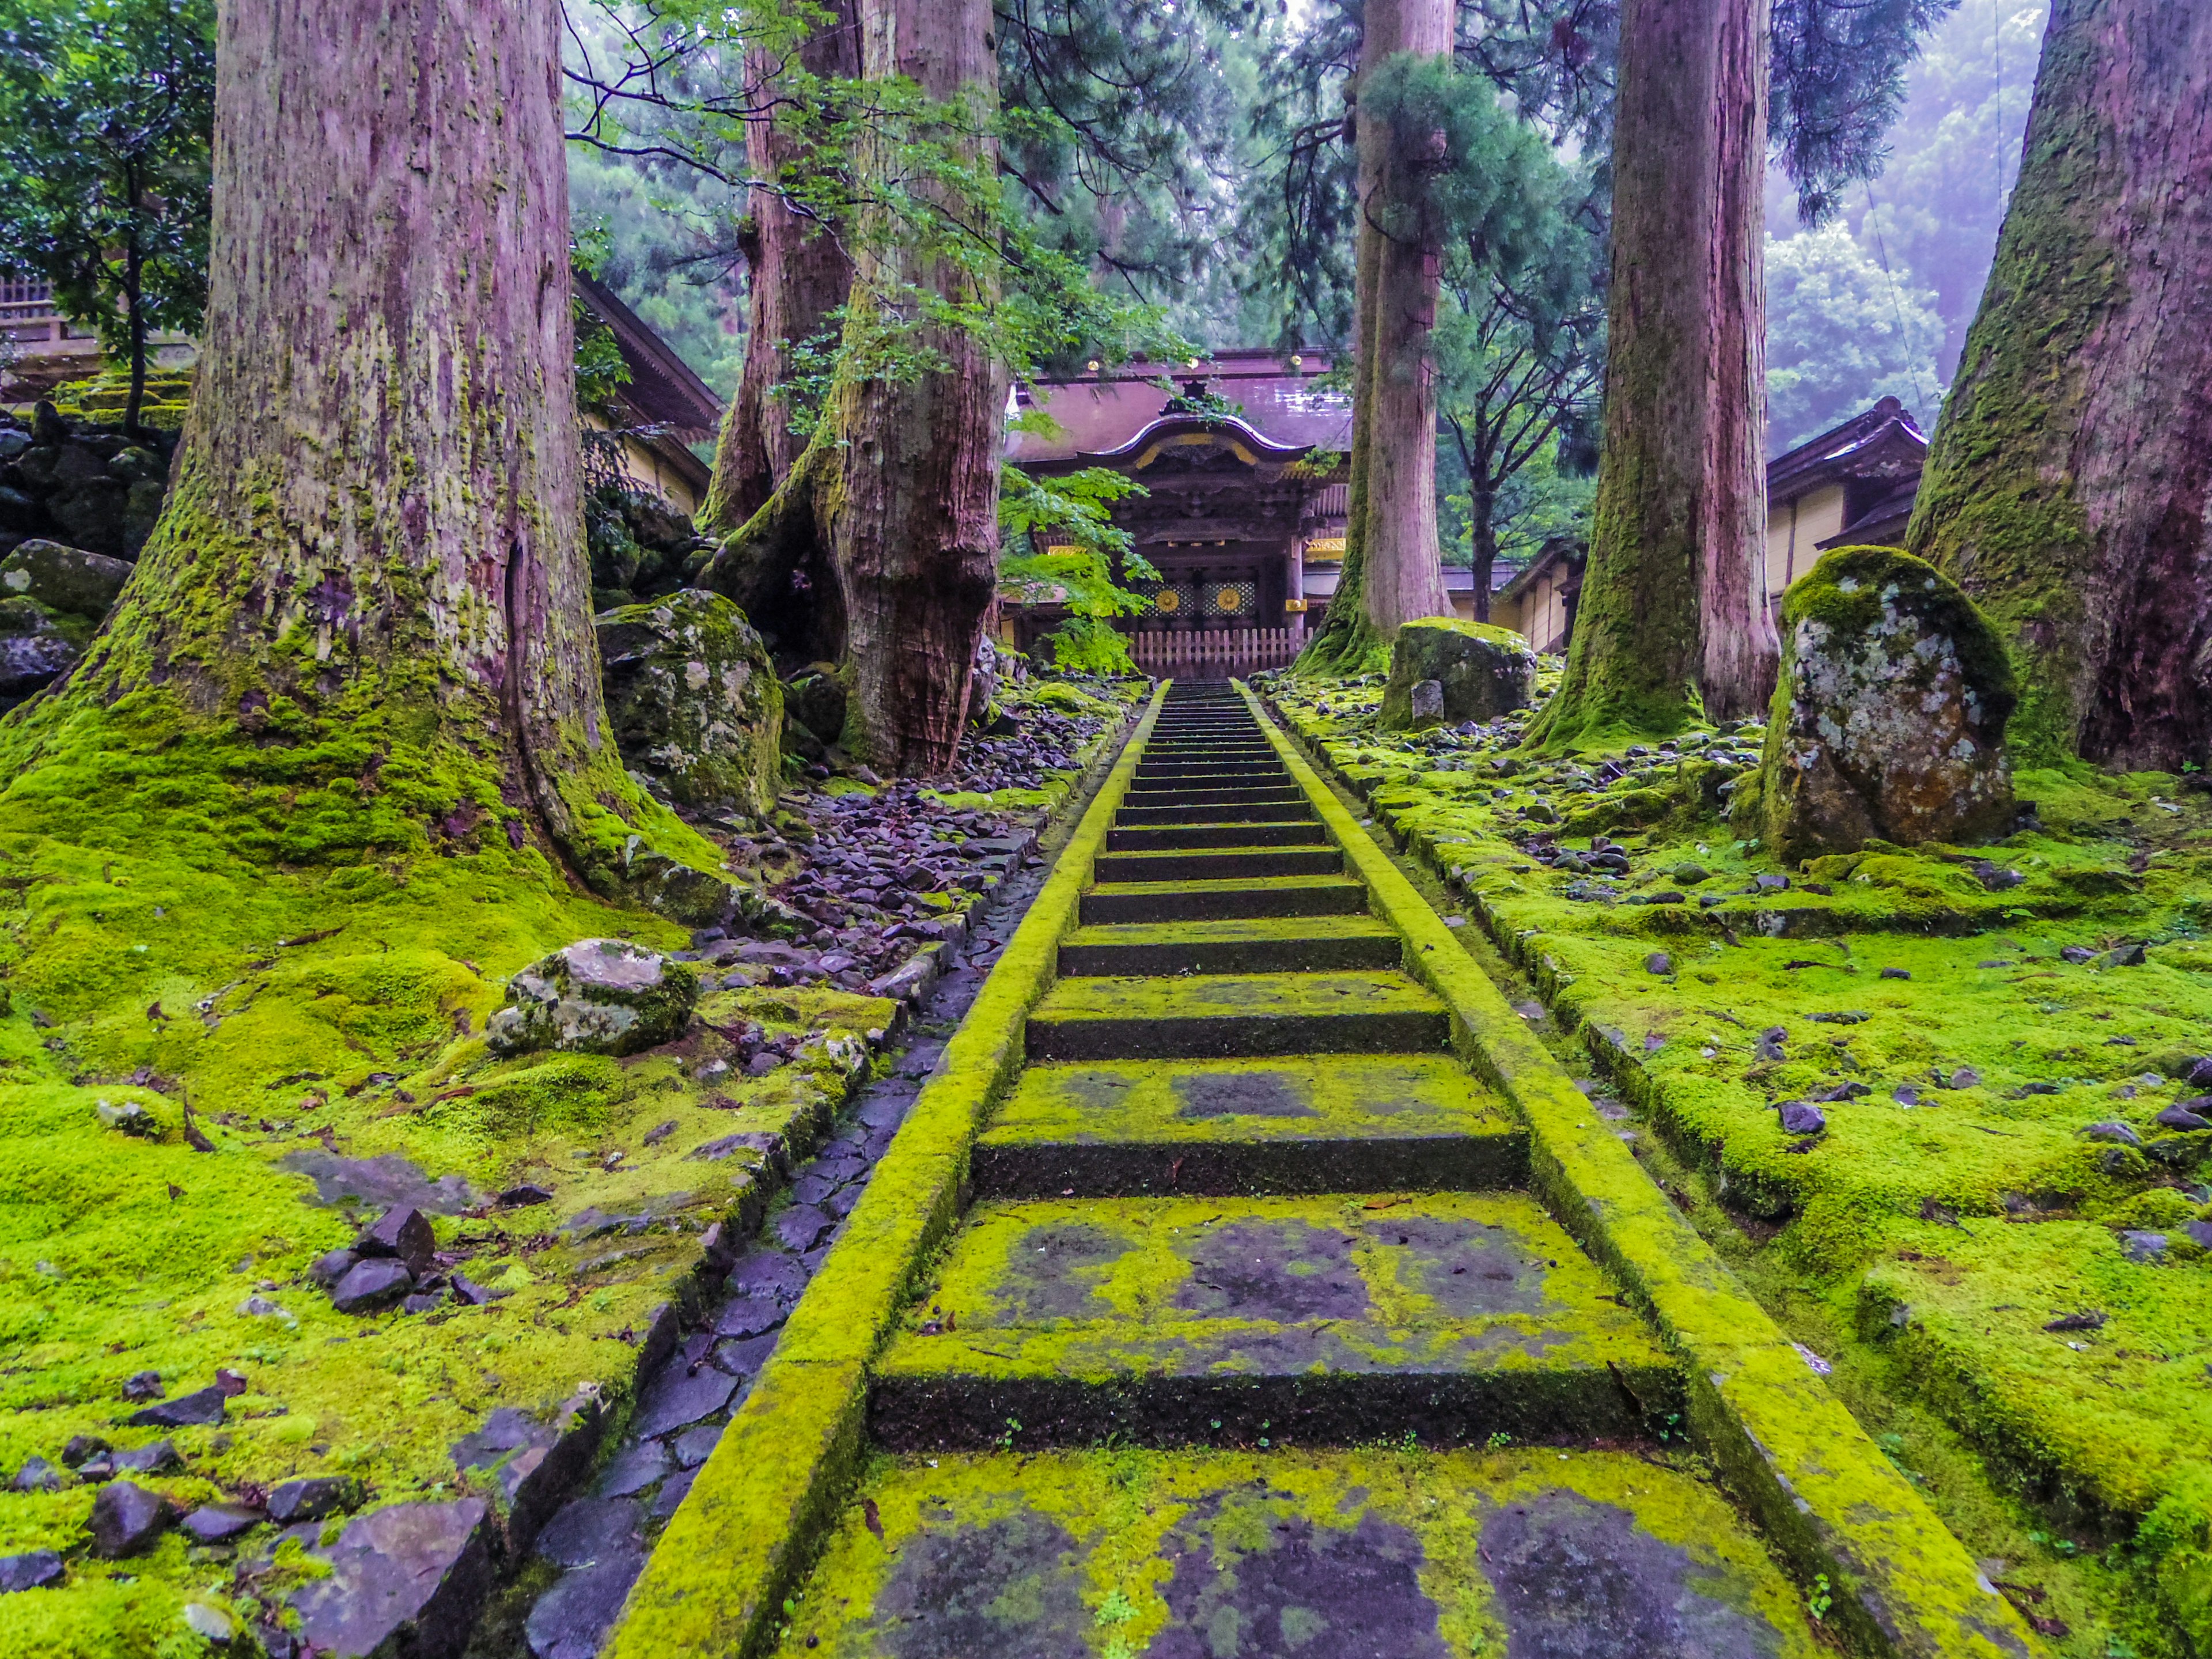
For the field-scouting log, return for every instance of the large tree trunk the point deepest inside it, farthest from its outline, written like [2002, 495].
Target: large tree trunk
[2067, 484]
[372, 559]
[1674, 606]
[799, 273]
[899, 489]
[1392, 570]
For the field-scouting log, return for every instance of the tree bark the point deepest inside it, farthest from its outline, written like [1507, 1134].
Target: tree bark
[1393, 570]
[372, 559]
[1675, 607]
[800, 272]
[2066, 488]
[898, 491]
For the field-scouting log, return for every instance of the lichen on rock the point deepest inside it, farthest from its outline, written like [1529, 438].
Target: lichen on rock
[694, 698]
[1888, 721]
[600, 996]
[1443, 671]
[66, 579]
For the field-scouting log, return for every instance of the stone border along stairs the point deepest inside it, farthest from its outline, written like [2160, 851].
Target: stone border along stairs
[1296, 936]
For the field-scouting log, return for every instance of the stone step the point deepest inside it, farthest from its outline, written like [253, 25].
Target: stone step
[1282, 790]
[1259, 809]
[1154, 837]
[1221, 901]
[1279, 945]
[1377, 1012]
[1178, 1321]
[1310, 1123]
[1295, 1554]
[1169, 773]
[1219, 863]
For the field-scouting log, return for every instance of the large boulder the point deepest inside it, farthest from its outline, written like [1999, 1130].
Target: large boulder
[1888, 722]
[694, 698]
[599, 996]
[1443, 671]
[816, 700]
[63, 578]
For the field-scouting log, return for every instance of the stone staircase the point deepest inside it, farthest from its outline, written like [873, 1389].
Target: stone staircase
[1251, 1339]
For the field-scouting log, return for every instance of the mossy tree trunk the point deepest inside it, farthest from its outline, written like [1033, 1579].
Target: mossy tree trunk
[2066, 488]
[1674, 606]
[1392, 570]
[897, 492]
[370, 572]
[798, 272]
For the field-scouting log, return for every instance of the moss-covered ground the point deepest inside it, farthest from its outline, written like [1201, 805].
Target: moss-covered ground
[289, 977]
[1962, 1241]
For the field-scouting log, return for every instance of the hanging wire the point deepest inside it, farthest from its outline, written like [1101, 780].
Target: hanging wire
[1896, 297]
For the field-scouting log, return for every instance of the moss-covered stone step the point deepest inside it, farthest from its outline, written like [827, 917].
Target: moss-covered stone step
[1314, 1123]
[1371, 1555]
[1140, 805]
[1221, 901]
[1228, 1014]
[1219, 863]
[1278, 832]
[1191, 1321]
[1262, 945]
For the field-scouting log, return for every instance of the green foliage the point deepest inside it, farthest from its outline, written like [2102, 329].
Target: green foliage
[106, 113]
[1840, 333]
[669, 253]
[1076, 567]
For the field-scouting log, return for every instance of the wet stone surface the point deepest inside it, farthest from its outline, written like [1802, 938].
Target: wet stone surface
[600, 1540]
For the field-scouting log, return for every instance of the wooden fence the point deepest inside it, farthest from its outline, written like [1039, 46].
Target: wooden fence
[1215, 653]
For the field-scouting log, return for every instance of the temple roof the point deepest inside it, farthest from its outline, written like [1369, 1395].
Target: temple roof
[1122, 416]
[1882, 443]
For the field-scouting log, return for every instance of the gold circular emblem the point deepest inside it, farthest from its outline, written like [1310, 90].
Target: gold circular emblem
[1227, 599]
[1168, 599]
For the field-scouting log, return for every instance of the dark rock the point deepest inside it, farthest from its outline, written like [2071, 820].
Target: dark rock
[521, 1197]
[1905, 1094]
[187, 1411]
[591, 1529]
[534, 1465]
[745, 1358]
[1802, 1118]
[2181, 1118]
[2199, 1233]
[635, 1470]
[388, 1181]
[1443, 671]
[468, 1291]
[32, 1570]
[1691, 874]
[66, 579]
[215, 1523]
[1897, 973]
[1897, 692]
[677, 1399]
[693, 699]
[158, 1458]
[2119, 1133]
[422, 1302]
[803, 1226]
[142, 1385]
[750, 1316]
[406, 1580]
[1839, 1016]
[672, 1492]
[2199, 1074]
[126, 1519]
[82, 1448]
[1658, 963]
[369, 1286]
[815, 701]
[36, 1475]
[2141, 1246]
[403, 1233]
[36, 646]
[695, 1446]
[571, 1619]
[332, 1266]
[313, 1497]
[1966, 1078]
[2127, 956]
[2078, 954]
[603, 996]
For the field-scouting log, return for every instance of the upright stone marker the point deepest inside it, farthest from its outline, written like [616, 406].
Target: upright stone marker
[1888, 721]
[1443, 671]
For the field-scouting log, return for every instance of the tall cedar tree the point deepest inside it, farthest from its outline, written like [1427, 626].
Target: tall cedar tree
[2067, 482]
[1674, 604]
[371, 563]
[797, 274]
[1392, 569]
[897, 493]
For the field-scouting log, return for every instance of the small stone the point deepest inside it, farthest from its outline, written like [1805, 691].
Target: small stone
[1905, 1094]
[32, 1570]
[635, 1470]
[2119, 1133]
[1802, 1118]
[2142, 1247]
[82, 1448]
[36, 1475]
[126, 1519]
[403, 1232]
[158, 1458]
[2127, 956]
[188, 1411]
[2181, 1118]
[1658, 963]
[259, 1307]
[313, 1497]
[521, 1197]
[1443, 671]
[130, 1117]
[209, 1623]
[332, 1266]
[603, 996]
[369, 1286]
[1691, 874]
[2078, 954]
[673, 1490]
[695, 1446]
[591, 1530]
[142, 1385]
[2199, 1233]
[1966, 1078]
[678, 1399]
[65, 579]
[1839, 1016]
[467, 1291]
[573, 1618]
[215, 1523]
[1897, 973]
[406, 1578]
[803, 1226]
